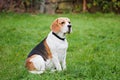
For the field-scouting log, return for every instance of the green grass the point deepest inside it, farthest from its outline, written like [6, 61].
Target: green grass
[93, 53]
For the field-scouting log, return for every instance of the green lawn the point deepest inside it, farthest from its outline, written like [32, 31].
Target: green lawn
[93, 53]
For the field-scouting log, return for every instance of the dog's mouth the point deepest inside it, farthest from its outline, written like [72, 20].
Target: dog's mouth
[68, 32]
[69, 29]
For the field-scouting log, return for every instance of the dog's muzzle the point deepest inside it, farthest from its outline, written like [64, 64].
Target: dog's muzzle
[69, 29]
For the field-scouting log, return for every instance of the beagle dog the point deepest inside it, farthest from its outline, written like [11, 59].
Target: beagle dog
[51, 52]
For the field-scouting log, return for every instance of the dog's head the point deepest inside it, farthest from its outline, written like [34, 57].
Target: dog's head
[61, 25]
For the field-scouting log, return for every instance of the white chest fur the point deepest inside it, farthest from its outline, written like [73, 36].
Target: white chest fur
[58, 49]
[55, 44]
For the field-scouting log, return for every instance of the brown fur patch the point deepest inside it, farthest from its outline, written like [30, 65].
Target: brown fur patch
[48, 50]
[55, 27]
[29, 65]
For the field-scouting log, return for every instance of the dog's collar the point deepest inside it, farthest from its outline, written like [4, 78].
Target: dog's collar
[58, 36]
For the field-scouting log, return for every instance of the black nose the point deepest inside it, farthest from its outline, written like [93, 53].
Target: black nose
[69, 26]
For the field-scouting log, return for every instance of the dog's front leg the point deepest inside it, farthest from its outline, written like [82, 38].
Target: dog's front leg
[64, 63]
[56, 63]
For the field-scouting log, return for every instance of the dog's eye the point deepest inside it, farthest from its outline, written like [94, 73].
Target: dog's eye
[62, 22]
[69, 22]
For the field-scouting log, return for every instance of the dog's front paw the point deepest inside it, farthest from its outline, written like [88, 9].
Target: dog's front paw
[59, 69]
[64, 66]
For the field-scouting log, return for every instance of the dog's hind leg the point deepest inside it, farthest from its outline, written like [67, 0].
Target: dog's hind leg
[37, 63]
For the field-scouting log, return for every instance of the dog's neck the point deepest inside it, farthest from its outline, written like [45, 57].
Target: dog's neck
[59, 35]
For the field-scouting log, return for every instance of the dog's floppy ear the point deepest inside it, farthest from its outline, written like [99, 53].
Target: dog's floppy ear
[55, 27]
